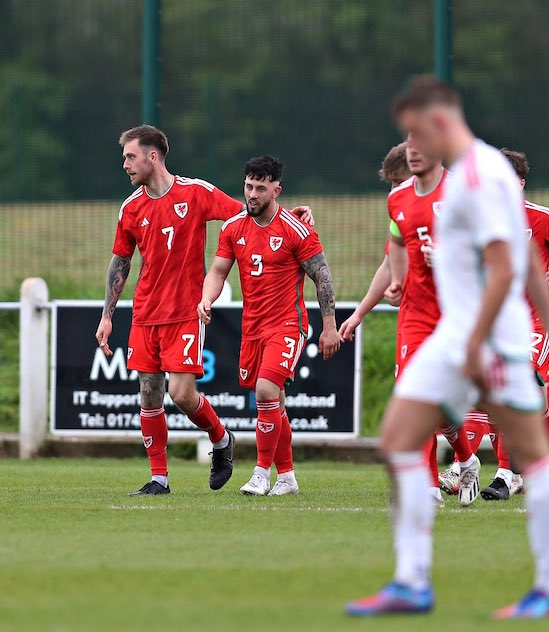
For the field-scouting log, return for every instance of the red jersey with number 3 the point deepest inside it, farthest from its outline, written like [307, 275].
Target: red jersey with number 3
[170, 232]
[269, 261]
[414, 214]
[538, 221]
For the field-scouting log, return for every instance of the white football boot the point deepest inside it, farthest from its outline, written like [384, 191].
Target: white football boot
[469, 484]
[517, 485]
[285, 484]
[258, 485]
[449, 481]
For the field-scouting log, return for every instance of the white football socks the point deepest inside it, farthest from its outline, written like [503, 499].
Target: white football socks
[163, 480]
[412, 519]
[223, 442]
[505, 475]
[536, 480]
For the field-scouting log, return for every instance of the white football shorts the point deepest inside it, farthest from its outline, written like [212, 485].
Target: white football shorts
[435, 377]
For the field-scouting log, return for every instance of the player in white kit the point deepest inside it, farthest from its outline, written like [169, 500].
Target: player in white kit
[477, 353]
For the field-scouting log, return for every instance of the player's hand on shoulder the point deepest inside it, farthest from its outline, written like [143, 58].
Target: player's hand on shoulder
[329, 343]
[305, 214]
[204, 310]
[347, 329]
[103, 333]
[393, 294]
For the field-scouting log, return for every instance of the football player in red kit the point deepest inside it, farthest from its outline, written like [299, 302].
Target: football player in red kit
[274, 251]
[166, 219]
[413, 207]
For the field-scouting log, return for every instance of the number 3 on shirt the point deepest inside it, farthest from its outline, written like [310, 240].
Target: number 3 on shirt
[257, 261]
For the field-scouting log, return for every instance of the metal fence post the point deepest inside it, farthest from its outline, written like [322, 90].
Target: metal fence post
[152, 11]
[33, 367]
[443, 45]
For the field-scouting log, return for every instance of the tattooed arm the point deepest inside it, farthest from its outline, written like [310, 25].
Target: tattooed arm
[317, 269]
[117, 275]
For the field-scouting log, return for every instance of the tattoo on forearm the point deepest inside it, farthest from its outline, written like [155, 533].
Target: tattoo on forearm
[152, 388]
[317, 268]
[117, 274]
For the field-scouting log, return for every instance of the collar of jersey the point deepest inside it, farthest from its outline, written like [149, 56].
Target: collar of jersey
[163, 194]
[432, 188]
[271, 220]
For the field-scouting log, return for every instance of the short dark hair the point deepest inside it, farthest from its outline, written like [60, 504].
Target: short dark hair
[148, 136]
[518, 161]
[264, 168]
[394, 163]
[424, 91]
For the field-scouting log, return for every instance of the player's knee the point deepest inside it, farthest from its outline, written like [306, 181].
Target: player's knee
[186, 399]
[266, 390]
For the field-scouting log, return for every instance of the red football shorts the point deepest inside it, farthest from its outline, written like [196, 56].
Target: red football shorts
[407, 343]
[539, 349]
[273, 358]
[176, 347]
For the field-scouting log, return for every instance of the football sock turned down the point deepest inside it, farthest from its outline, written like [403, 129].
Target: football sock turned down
[267, 431]
[412, 519]
[536, 479]
[155, 439]
[283, 458]
[206, 419]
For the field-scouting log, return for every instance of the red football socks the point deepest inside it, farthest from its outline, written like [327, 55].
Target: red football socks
[155, 439]
[504, 461]
[476, 425]
[430, 458]
[267, 432]
[206, 419]
[457, 438]
[283, 458]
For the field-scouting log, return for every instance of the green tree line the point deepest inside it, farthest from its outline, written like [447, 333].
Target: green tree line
[310, 81]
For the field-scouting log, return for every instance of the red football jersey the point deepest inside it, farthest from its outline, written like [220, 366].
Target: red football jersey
[269, 262]
[538, 220]
[170, 232]
[414, 215]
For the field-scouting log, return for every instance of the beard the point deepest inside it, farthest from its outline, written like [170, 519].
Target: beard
[258, 211]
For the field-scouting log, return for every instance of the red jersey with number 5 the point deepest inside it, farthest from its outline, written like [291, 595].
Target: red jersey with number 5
[269, 262]
[170, 232]
[538, 220]
[414, 215]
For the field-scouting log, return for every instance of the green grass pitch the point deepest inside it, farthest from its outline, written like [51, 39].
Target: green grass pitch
[77, 554]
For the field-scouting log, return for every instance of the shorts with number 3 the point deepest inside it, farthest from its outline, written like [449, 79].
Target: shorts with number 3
[273, 357]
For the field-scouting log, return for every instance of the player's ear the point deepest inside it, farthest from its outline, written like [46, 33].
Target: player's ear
[277, 191]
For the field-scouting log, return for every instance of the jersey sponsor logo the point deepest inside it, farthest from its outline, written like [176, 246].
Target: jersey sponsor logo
[244, 374]
[130, 352]
[145, 222]
[437, 208]
[181, 209]
[403, 351]
[188, 361]
[275, 243]
[147, 442]
[265, 427]
[284, 364]
[241, 242]
[400, 217]
[529, 233]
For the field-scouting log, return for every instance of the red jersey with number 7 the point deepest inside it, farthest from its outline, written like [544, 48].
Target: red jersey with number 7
[414, 213]
[170, 232]
[271, 276]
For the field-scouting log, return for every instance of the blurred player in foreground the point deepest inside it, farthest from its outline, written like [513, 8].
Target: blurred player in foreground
[479, 350]
[273, 250]
[166, 219]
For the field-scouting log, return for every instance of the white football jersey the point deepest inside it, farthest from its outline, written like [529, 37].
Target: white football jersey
[482, 204]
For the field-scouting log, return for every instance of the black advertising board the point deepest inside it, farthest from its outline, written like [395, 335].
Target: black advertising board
[95, 395]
